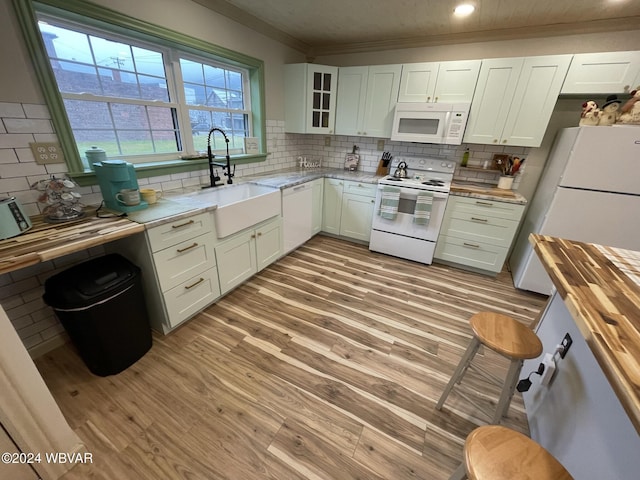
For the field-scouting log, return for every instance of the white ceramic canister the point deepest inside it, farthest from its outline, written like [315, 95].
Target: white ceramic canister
[95, 154]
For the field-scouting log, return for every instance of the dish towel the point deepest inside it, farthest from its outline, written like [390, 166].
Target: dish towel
[422, 212]
[389, 202]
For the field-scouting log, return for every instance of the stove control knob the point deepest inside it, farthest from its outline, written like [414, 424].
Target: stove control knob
[443, 164]
[449, 165]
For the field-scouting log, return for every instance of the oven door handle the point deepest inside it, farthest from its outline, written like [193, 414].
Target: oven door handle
[412, 193]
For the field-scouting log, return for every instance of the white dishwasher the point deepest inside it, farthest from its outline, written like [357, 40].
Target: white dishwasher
[297, 206]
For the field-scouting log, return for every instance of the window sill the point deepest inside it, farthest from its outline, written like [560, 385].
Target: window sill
[167, 167]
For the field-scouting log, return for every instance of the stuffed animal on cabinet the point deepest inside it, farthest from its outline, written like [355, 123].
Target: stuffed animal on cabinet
[590, 113]
[630, 111]
[609, 113]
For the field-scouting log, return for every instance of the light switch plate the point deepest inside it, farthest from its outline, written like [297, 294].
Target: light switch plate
[47, 152]
[380, 145]
[327, 141]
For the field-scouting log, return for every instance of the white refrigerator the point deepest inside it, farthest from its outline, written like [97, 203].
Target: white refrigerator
[589, 192]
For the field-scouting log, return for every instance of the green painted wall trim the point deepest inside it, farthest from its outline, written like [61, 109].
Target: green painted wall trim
[120, 23]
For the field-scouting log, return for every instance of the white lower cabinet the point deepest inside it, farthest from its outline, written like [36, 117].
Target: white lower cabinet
[179, 272]
[348, 208]
[247, 252]
[358, 200]
[477, 233]
[332, 210]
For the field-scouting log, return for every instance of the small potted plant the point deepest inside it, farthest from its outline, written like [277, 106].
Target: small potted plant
[62, 202]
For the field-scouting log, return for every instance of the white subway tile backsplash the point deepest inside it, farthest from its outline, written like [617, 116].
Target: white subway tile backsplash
[36, 111]
[32, 341]
[8, 155]
[13, 184]
[25, 155]
[16, 170]
[27, 125]
[21, 322]
[11, 110]
[15, 140]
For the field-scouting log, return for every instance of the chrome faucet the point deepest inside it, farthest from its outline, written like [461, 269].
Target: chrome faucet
[213, 176]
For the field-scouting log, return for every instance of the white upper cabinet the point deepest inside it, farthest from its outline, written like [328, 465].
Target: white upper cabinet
[366, 99]
[418, 82]
[310, 98]
[444, 82]
[514, 99]
[610, 72]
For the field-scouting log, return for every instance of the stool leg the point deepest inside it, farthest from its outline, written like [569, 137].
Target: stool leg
[460, 370]
[508, 389]
[459, 474]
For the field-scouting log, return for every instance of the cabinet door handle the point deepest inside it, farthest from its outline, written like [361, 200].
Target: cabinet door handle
[198, 282]
[180, 250]
[300, 187]
[253, 235]
[476, 219]
[471, 245]
[183, 224]
[486, 204]
[373, 201]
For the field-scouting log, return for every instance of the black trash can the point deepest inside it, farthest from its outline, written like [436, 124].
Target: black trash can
[101, 305]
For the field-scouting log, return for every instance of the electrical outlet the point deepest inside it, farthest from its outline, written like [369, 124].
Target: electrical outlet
[566, 343]
[47, 152]
[327, 141]
[380, 145]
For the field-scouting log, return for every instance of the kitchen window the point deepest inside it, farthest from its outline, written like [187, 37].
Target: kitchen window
[144, 94]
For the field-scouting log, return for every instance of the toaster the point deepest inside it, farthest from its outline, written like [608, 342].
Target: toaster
[13, 220]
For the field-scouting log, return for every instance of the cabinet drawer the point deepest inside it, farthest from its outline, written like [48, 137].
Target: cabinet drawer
[481, 207]
[480, 228]
[179, 231]
[358, 188]
[180, 262]
[191, 296]
[473, 254]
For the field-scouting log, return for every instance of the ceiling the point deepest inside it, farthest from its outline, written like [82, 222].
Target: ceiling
[324, 27]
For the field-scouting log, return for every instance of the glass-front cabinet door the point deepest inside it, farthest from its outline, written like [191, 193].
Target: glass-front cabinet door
[321, 107]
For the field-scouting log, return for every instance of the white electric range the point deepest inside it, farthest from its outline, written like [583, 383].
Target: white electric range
[402, 236]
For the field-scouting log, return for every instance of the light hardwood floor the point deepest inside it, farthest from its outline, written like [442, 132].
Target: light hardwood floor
[326, 365]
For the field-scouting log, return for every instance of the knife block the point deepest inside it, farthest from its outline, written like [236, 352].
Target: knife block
[382, 170]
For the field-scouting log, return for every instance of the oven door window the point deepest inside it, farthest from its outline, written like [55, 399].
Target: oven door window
[407, 205]
[420, 126]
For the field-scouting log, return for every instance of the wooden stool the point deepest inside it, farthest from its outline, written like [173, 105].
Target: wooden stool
[493, 452]
[503, 335]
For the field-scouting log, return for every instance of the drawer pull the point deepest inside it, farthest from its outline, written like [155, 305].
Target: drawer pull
[487, 204]
[476, 219]
[180, 250]
[187, 287]
[259, 234]
[183, 224]
[471, 245]
[301, 187]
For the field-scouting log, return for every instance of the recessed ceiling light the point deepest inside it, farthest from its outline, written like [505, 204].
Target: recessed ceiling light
[464, 9]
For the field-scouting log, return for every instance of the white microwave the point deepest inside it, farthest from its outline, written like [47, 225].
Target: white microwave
[430, 122]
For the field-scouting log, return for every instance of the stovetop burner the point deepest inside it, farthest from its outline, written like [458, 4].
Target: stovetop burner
[394, 179]
[434, 183]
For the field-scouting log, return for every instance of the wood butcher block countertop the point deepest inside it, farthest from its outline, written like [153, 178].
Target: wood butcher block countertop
[486, 191]
[45, 241]
[600, 288]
